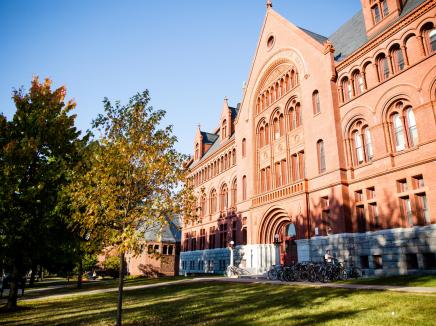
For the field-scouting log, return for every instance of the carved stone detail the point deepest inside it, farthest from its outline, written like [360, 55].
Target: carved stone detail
[280, 149]
[264, 157]
[296, 139]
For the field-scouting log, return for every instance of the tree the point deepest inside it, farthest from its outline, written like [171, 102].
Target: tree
[134, 180]
[37, 149]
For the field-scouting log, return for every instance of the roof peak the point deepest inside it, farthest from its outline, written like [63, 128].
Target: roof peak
[269, 4]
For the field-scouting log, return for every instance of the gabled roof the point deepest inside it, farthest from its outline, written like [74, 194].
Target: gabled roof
[319, 38]
[209, 138]
[352, 35]
[167, 233]
[235, 111]
[349, 37]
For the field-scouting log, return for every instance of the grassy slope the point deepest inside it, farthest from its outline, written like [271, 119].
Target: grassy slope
[229, 304]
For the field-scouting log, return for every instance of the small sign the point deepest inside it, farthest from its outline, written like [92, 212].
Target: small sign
[316, 231]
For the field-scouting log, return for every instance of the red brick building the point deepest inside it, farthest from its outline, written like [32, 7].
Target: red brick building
[160, 255]
[332, 147]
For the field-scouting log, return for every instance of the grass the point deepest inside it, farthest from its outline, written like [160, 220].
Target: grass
[232, 304]
[402, 280]
[64, 287]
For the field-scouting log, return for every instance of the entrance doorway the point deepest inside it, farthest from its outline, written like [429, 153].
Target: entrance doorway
[288, 246]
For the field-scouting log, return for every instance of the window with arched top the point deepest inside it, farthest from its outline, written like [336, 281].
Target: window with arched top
[359, 82]
[224, 129]
[347, 89]
[397, 58]
[321, 156]
[315, 102]
[294, 114]
[234, 192]
[432, 39]
[361, 143]
[262, 134]
[383, 67]
[224, 200]
[197, 151]
[379, 10]
[276, 130]
[244, 147]
[429, 37]
[403, 126]
[213, 202]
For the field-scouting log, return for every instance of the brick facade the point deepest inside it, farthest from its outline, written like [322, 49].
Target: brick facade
[332, 147]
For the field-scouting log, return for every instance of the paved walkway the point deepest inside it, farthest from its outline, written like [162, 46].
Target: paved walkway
[248, 281]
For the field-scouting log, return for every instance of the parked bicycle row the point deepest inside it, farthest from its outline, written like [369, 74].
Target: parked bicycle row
[313, 272]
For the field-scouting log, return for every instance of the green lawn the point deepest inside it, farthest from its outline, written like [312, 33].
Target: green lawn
[71, 287]
[233, 304]
[404, 280]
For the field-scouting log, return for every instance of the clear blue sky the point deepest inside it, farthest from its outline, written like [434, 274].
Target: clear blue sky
[189, 54]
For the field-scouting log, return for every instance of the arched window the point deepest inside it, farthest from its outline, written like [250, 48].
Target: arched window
[224, 129]
[400, 141]
[234, 192]
[321, 156]
[292, 119]
[266, 134]
[379, 9]
[234, 156]
[244, 149]
[397, 58]
[411, 127]
[261, 137]
[383, 67]
[224, 202]
[213, 199]
[347, 90]
[359, 83]
[429, 37]
[299, 120]
[361, 141]
[276, 126]
[368, 144]
[244, 188]
[315, 102]
[197, 151]
[432, 39]
[282, 125]
[359, 147]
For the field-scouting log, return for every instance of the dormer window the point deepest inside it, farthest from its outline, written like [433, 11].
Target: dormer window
[379, 9]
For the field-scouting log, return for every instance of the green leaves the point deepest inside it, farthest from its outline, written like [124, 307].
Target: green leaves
[134, 175]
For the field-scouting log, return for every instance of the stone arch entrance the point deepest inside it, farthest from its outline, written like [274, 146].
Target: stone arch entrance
[276, 224]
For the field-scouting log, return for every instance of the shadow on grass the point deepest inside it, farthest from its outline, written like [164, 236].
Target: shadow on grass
[209, 303]
[219, 303]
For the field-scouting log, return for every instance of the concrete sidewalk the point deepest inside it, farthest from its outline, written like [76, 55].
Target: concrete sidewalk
[422, 290]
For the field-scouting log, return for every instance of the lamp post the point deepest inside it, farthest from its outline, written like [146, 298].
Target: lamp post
[277, 243]
[231, 243]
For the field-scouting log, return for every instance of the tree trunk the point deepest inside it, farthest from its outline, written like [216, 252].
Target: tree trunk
[13, 289]
[41, 271]
[80, 275]
[33, 274]
[120, 289]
